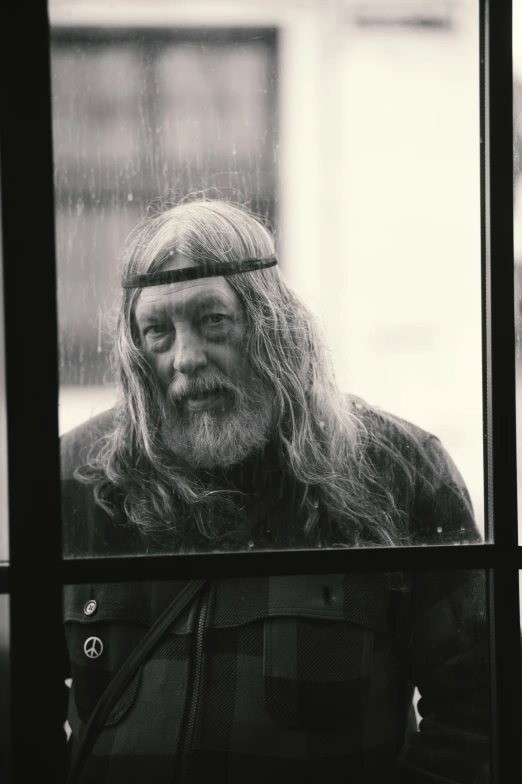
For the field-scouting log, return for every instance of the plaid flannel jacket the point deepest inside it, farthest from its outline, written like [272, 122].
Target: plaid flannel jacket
[277, 679]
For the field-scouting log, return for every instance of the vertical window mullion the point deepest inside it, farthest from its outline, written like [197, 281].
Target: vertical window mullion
[500, 400]
[32, 393]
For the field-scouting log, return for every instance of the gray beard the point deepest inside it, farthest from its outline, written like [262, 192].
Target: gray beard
[207, 441]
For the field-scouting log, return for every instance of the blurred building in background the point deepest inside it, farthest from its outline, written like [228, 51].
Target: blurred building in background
[140, 115]
[353, 127]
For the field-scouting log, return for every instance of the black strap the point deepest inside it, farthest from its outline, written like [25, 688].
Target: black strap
[123, 677]
[218, 269]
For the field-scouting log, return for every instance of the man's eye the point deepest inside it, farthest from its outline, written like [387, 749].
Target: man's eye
[156, 330]
[213, 319]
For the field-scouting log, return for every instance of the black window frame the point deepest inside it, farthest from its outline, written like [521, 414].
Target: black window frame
[35, 574]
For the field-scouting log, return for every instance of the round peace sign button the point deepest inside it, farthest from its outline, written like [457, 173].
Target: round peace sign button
[93, 647]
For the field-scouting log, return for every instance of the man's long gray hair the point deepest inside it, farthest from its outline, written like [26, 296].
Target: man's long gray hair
[324, 446]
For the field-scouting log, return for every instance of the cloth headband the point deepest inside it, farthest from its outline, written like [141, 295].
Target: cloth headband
[200, 271]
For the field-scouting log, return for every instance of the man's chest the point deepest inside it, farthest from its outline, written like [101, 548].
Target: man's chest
[272, 657]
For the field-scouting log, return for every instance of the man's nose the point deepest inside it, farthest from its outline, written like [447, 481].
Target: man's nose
[189, 353]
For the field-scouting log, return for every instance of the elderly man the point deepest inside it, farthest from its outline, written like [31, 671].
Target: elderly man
[230, 434]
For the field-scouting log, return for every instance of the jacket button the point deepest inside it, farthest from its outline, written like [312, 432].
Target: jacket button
[91, 607]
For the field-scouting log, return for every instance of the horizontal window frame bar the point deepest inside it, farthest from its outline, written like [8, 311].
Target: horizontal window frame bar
[290, 562]
[159, 568]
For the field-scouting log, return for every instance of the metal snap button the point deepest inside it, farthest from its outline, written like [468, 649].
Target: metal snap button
[90, 607]
[93, 647]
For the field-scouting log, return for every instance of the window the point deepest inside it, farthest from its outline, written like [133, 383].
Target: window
[36, 572]
[115, 153]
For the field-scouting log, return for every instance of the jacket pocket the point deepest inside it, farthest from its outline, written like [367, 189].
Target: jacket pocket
[103, 625]
[317, 654]
[92, 672]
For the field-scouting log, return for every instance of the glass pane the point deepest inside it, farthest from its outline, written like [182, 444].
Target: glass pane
[287, 678]
[356, 141]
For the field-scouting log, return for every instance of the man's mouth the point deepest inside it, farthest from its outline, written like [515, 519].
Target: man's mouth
[204, 401]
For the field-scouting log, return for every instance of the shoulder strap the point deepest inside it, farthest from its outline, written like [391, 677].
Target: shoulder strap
[122, 678]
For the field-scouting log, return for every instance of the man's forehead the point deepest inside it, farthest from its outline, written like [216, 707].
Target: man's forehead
[177, 261]
[187, 294]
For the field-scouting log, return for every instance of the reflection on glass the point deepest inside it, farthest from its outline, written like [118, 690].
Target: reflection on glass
[269, 451]
[266, 678]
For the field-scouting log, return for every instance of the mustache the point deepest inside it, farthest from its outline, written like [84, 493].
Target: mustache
[184, 387]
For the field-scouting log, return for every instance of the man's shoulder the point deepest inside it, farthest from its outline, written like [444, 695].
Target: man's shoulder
[393, 441]
[411, 456]
[390, 427]
[76, 444]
